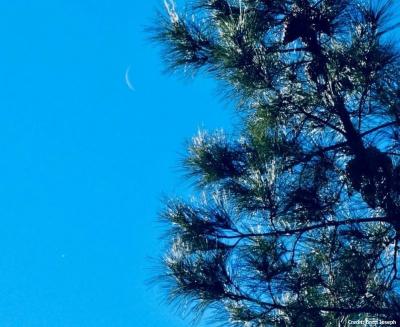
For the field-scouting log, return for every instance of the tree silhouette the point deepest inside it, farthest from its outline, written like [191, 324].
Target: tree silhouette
[297, 217]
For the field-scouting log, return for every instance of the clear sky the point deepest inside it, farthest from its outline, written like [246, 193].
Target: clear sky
[84, 161]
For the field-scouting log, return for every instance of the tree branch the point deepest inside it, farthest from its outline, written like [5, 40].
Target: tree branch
[290, 232]
[378, 128]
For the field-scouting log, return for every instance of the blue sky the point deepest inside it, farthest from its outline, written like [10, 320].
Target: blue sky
[84, 161]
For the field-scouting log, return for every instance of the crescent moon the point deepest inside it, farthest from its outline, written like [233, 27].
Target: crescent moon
[128, 81]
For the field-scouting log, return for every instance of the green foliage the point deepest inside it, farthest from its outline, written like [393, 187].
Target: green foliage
[211, 158]
[296, 221]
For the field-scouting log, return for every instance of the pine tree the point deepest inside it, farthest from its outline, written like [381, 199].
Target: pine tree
[297, 217]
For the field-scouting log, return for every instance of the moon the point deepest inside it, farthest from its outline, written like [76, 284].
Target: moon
[127, 79]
